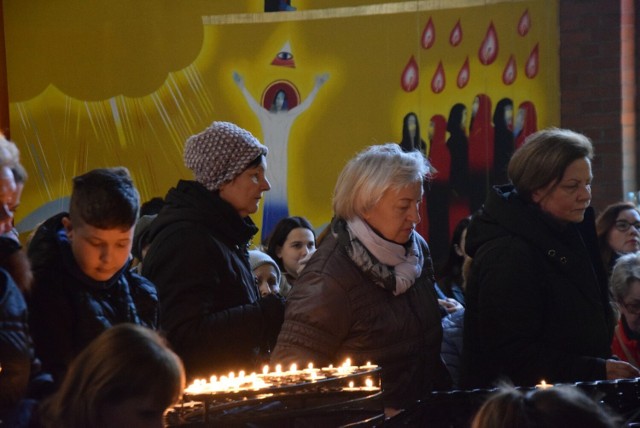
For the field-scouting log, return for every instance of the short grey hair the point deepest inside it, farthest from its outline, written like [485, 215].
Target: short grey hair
[372, 172]
[625, 272]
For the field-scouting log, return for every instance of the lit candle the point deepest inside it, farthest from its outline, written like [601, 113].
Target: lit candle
[346, 367]
[369, 386]
[369, 366]
[544, 385]
[265, 369]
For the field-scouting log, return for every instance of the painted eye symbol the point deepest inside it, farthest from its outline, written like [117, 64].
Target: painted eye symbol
[285, 56]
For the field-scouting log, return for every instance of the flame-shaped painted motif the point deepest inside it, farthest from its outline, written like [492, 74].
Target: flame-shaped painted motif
[524, 24]
[510, 71]
[428, 35]
[533, 63]
[456, 34]
[463, 74]
[488, 51]
[410, 77]
[438, 81]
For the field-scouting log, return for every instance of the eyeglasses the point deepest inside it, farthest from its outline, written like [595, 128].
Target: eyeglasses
[624, 225]
[633, 308]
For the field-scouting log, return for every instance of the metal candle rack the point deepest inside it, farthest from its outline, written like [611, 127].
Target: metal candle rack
[347, 395]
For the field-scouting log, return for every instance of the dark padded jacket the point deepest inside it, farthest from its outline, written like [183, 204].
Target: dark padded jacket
[336, 312]
[16, 347]
[537, 299]
[68, 309]
[199, 261]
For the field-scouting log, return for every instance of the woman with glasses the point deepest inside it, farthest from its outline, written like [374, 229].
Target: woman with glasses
[618, 229]
[625, 287]
[537, 298]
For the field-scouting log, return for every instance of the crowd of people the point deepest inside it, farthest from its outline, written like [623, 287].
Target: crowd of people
[536, 286]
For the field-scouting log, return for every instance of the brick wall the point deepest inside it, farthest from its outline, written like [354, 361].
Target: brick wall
[590, 87]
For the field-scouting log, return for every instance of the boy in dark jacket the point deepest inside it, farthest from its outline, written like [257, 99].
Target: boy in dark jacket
[80, 260]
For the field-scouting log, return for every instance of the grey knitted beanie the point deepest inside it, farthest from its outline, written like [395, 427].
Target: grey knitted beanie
[220, 153]
[258, 258]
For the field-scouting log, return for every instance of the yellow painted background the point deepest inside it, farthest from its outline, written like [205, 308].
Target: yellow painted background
[97, 83]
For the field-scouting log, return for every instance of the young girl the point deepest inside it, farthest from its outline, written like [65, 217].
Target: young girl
[292, 241]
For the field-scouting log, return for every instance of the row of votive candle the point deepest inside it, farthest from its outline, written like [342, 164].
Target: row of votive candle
[231, 382]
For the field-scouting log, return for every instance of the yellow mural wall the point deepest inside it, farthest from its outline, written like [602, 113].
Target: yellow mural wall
[95, 84]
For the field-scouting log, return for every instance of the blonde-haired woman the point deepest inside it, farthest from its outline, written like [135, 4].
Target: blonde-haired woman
[368, 291]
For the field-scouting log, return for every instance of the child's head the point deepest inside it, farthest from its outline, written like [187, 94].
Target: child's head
[292, 239]
[266, 271]
[556, 407]
[102, 214]
[126, 377]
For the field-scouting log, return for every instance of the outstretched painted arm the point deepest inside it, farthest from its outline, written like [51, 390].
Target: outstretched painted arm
[320, 80]
[239, 80]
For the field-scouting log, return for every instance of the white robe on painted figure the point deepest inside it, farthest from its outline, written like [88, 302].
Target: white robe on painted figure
[276, 126]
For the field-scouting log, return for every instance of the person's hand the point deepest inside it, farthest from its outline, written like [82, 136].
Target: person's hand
[450, 305]
[621, 370]
[321, 79]
[238, 79]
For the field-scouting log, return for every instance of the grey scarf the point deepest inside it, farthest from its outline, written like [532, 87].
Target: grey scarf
[391, 266]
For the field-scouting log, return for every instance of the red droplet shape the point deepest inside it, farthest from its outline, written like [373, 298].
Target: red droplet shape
[524, 25]
[428, 35]
[410, 76]
[510, 71]
[463, 74]
[455, 38]
[438, 81]
[533, 63]
[488, 51]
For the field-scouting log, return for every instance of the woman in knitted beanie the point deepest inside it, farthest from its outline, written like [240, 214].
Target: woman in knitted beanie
[212, 311]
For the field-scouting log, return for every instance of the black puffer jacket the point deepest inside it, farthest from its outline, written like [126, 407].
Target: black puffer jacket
[537, 300]
[16, 348]
[68, 309]
[209, 300]
[336, 312]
